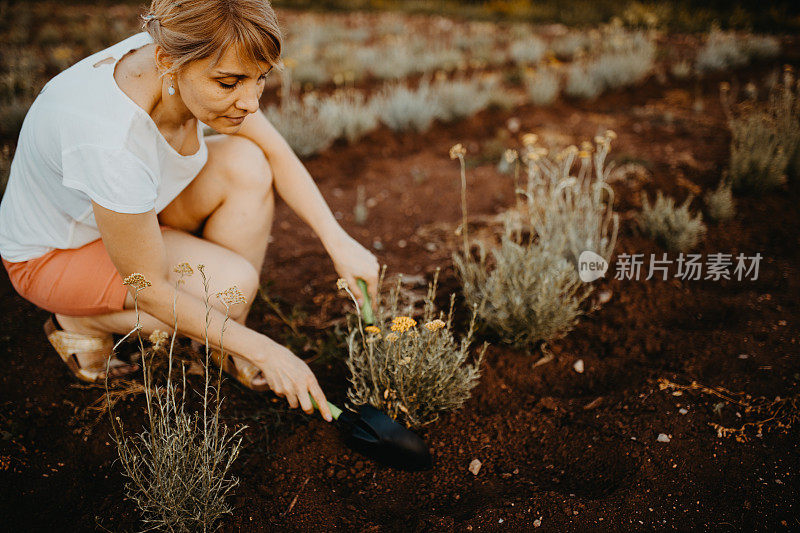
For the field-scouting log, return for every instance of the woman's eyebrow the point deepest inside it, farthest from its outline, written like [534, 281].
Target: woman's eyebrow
[235, 75]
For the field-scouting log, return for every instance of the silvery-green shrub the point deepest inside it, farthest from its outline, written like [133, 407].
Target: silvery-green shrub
[672, 226]
[303, 125]
[350, 114]
[581, 83]
[527, 51]
[459, 98]
[720, 203]
[402, 108]
[543, 87]
[410, 365]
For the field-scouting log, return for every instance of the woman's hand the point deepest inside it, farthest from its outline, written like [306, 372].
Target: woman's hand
[289, 376]
[353, 261]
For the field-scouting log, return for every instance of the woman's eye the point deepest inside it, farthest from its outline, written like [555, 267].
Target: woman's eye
[227, 86]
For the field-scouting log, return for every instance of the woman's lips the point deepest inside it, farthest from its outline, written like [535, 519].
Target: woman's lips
[235, 120]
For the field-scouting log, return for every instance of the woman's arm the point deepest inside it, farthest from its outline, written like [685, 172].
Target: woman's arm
[295, 185]
[134, 243]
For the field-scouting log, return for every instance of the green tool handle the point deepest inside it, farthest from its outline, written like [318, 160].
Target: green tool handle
[366, 307]
[335, 411]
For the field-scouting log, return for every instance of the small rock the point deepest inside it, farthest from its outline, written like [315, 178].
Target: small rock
[578, 366]
[603, 297]
[682, 411]
[475, 467]
[548, 403]
[744, 356]
[402, 243]
[431, 247]
[663, 437]
[513, 124]
[537, 522]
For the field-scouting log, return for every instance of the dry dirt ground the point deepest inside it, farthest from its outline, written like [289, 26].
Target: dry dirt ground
[569, 451]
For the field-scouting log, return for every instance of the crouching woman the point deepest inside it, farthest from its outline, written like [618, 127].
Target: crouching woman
[112, 176]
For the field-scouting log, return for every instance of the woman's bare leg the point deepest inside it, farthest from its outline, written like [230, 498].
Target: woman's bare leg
[232, 200]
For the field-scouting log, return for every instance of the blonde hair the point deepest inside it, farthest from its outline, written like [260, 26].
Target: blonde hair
[189, 30]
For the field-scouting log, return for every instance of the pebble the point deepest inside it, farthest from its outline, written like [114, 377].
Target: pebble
[537, 522]
[682, 411]
[744, 356]
[475, 467]
[578, 366]
[663, 437]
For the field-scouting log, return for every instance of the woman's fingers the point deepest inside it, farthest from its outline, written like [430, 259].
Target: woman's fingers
[319, 397]
[352, 282]
[305, 401]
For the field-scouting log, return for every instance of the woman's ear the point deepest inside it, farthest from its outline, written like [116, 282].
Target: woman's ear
[163, 60]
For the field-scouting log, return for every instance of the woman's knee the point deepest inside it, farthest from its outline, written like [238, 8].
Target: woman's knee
[247, 168]
[223, 269]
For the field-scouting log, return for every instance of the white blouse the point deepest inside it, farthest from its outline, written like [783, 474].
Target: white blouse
[83, 138]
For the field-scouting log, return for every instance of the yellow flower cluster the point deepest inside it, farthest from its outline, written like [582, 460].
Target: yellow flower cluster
[403, 323]
[232, 296]
[184, 269]
[529, 139]
[158, 338]
[137, 281]
[435, 325]
[391, 337]
[457, 151]
[373, 329]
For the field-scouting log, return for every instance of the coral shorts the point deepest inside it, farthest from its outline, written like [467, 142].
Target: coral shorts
[75, 282]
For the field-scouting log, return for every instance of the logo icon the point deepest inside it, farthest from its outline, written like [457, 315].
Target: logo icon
[591, 266]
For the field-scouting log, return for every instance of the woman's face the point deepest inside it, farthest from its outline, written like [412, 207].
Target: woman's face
[222, 96]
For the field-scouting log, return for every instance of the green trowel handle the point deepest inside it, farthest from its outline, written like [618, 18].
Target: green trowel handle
[366, 307]
[335, 411]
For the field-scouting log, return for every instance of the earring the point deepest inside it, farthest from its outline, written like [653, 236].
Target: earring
[171, 89]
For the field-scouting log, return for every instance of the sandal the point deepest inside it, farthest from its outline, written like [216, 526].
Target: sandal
[68, 344]
[242, 371]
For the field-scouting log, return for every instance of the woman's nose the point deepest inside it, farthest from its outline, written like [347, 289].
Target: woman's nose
[249, 99]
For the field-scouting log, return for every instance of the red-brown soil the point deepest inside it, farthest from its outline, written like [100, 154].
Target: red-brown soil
[578, 450]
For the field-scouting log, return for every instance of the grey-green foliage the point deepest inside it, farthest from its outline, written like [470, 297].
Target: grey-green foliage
[350, 114]
[527, 289]
[402, 108]
[721, 51]
[765, 138]
[581, 83]
[620, 68]
[569, 201]
[178, 468]
[303, 125]
[543, 87]
[460, 98]
[673, 226]
[720, 203]
[527, 292]
[528, 50]
[416, 372]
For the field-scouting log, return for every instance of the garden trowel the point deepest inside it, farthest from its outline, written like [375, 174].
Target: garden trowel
[375, 434]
